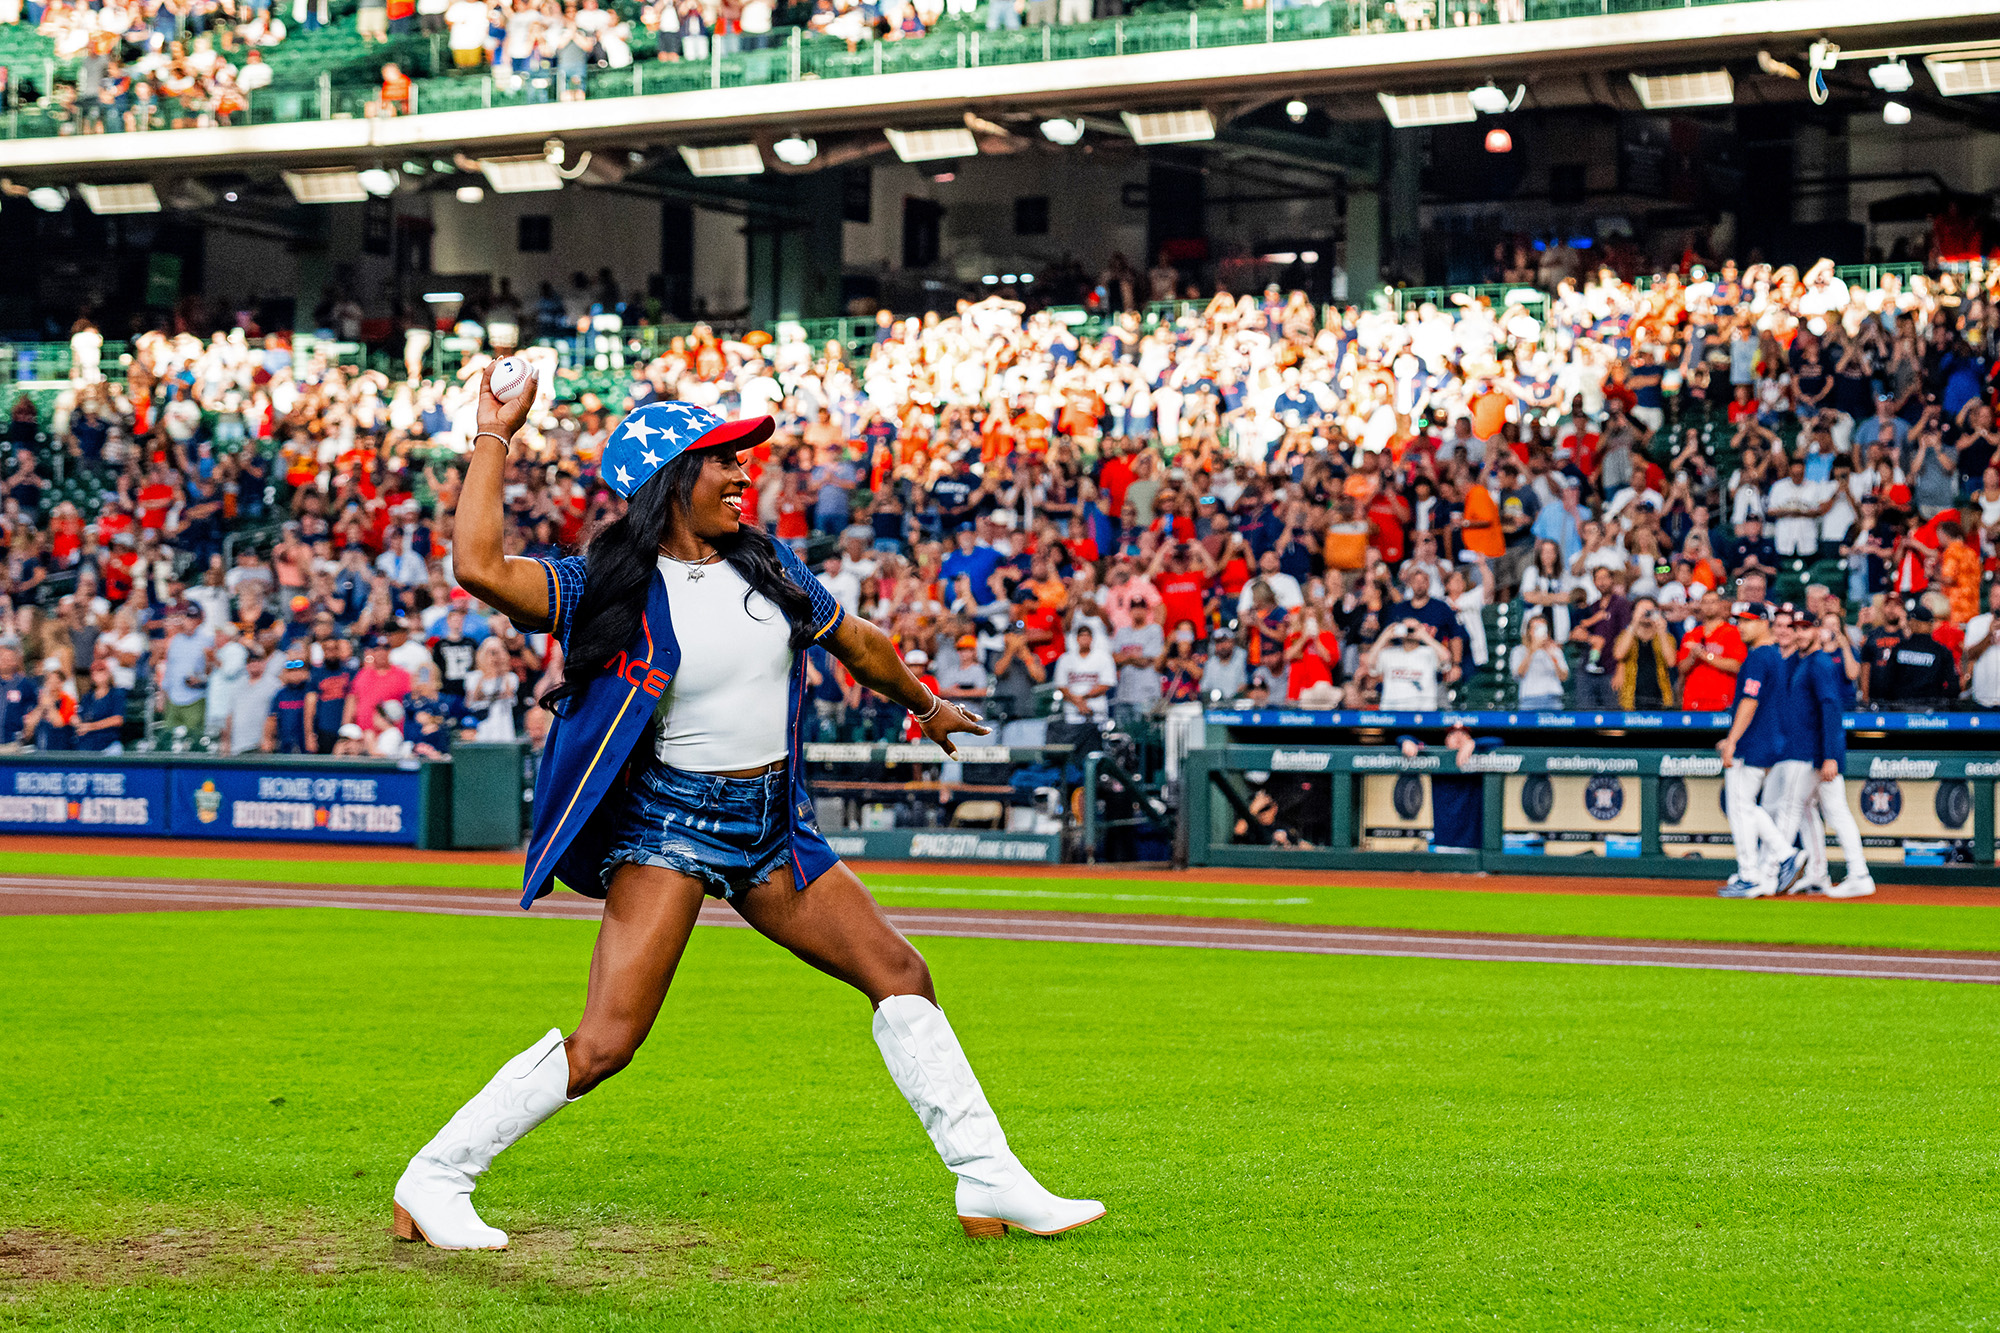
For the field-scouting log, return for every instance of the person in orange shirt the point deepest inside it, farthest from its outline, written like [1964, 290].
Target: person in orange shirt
[1958, 572]
[1479, 521]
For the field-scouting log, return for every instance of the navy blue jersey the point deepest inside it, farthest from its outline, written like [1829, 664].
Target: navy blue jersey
[433, 722]
[1813, 732]
[91, 708]
[1765, 677]
[288, 706]
[331, 684]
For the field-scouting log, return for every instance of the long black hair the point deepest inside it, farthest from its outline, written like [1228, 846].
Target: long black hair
[624, 556]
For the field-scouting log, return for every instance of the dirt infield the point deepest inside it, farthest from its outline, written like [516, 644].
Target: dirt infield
[35, 895]
[1920, 895]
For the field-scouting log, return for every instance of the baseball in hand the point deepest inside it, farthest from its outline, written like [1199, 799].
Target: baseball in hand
[511, 375]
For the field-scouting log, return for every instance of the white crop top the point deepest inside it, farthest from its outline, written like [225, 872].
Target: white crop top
[725, 709]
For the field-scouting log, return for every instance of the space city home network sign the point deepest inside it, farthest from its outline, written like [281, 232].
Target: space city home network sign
[83, 800]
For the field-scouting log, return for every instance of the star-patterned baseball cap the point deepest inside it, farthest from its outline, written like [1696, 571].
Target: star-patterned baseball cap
[658, 433]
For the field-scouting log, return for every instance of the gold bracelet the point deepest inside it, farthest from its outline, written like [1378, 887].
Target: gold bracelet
[504, 441]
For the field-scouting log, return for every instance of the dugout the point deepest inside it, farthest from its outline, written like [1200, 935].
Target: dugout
[1594, 794]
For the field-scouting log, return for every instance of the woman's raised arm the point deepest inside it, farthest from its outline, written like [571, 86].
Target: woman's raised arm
[516, 587]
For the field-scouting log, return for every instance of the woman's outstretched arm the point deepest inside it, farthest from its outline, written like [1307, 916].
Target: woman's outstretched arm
[517, 588]
[874, 662]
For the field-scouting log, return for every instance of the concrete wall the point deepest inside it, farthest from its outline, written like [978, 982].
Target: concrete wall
[1088, 217]
[590, 229]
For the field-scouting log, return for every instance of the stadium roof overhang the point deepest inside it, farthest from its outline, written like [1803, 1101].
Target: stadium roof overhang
[1229, 77]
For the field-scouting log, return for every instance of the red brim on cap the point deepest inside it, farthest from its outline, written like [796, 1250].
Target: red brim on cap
[744, 434]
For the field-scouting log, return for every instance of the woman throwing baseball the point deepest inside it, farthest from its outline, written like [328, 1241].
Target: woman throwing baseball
[672, 770]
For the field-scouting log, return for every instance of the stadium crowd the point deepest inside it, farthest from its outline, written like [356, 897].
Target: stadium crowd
[132, 66]
[1544, 504]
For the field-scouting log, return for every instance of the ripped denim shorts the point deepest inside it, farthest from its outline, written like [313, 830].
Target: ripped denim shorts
[732, 834]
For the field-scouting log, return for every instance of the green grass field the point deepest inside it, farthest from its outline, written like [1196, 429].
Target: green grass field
[202, 1114]
[1874, 923]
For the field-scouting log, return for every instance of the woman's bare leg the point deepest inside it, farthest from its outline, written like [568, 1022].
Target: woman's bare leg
[839, 928]
[648, 914]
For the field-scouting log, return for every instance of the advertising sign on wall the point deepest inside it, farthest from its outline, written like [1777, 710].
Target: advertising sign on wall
[294, 804]
[52, 799]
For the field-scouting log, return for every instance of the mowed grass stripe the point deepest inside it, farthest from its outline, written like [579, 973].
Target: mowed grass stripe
[1285, 1142]
[1872, 924]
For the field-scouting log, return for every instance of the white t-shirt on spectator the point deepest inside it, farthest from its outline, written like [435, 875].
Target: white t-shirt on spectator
[1795, 536]
[468, 25]
[1409, 676]
[1986, 669]
[1075, 671]
[1470, 604]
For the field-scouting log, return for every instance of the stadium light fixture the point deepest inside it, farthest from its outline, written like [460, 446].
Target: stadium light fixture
[1295, 111]
[932, 145]
[1670, 92]
[443, 298]
[1499, 141]
[378, 181]
[111, 200]
[528, 174]
[794, 151]
[1309, 256]
[49, 198]
[1062, 132]
[1149, 128]
[1010, 278]
[471, 194]
[731, 159]
[229, 195]
[1895, 113]
[1892, 76]
[991, 280]
[1411, 111]
[337, 186]
[1490, 101]
[1027, 277]
[1960, 77]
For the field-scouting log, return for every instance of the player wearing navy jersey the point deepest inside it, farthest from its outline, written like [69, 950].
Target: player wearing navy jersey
[1752, 747]
[1790, 783]
[1818, 699]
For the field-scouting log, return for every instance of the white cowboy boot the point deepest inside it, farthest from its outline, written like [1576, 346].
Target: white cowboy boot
[434, 1197]
[994, 1190]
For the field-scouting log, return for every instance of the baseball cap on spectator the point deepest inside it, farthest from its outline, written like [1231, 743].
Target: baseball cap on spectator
[301, 603]
[1899, 496]
[1223, 632]
[351, 731]
[917, 657]
[1751, 611]
[968, 641]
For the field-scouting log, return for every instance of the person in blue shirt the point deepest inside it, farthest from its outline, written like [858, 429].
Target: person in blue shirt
[288, 729]
[100, 713]
[19, 694]
[1754, 745]
[1820, 689]
[1802, 719]
[971, 559]
[431, 719]
[53, 723]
